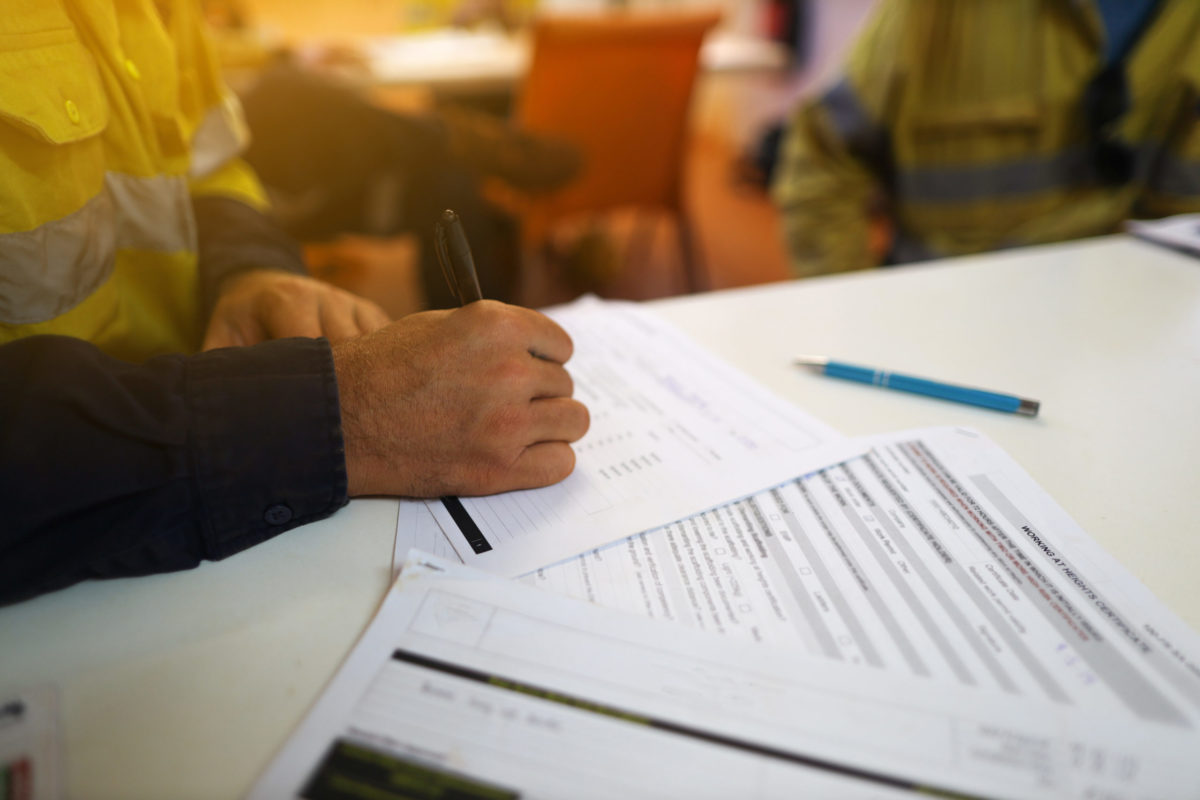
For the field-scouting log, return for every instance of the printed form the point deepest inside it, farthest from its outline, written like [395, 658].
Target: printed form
[483, 687]
[661, 408]
[934, 556]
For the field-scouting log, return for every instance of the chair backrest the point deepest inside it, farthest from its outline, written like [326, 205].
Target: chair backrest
[619, 87]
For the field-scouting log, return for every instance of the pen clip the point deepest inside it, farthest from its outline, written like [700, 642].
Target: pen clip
[442, 248]
[454, 255]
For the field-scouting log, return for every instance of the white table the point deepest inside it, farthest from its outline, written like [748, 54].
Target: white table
[184, 685]
[456, 59]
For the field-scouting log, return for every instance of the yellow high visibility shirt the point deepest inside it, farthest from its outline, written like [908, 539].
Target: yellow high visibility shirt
[966, 118]
[112, 116]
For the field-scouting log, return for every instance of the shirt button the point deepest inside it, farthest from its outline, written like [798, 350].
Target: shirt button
[132, 69]
[278, 515]
[72, 111]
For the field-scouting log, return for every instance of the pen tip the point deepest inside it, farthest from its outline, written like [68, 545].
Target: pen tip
[449, 216]
[810, 361]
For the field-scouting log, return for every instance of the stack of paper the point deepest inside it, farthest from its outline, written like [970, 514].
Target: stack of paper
[1181, 232]
[918, 618]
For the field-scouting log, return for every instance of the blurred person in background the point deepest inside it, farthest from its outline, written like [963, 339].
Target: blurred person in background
[335, 163]
[131, 235]
[359, 173]
[968, 126]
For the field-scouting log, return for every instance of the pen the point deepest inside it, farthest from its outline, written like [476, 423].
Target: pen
[908, 383]
[454, 254]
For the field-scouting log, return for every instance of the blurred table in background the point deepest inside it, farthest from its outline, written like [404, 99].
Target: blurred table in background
[454, 59]
[483, 68]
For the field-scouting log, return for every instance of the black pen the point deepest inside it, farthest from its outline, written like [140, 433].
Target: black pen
[454, 254]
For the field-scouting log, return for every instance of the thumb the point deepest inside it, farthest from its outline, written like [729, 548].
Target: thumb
[222, 334]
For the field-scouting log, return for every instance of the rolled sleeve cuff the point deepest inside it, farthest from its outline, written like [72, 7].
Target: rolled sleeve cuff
[266, 441]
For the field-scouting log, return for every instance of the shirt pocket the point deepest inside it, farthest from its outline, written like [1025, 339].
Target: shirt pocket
[52, 88]
[52, 111]
[55, 215]
[977, 135]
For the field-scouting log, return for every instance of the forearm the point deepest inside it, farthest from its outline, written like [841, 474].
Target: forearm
[109, 468]
[234, 237]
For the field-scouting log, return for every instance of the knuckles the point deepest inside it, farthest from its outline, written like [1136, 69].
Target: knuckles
[512, 373]
[504, 430]
[550, 464]
[509, 326]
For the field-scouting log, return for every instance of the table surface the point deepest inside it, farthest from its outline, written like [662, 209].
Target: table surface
[184, 685]
[464, 59]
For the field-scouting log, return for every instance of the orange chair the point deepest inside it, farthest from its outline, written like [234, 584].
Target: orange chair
[618, 87]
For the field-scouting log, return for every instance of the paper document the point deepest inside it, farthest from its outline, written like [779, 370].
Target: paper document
[485, 687]
[1180, 232]
[417, 529]
[934, 556]
[29, 745]
[674, 431]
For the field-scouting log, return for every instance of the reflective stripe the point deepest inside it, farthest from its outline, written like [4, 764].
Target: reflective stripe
[220, 137]
[863, 136]
[54, 267]
[1069, 169]
[152, 213]
[1176, 176]
[51, 269]
[995, 181]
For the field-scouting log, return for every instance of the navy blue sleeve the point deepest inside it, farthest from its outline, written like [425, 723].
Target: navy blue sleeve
[110, 469]
[232, 237]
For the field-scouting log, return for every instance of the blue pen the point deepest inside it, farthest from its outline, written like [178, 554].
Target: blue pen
[907, 383]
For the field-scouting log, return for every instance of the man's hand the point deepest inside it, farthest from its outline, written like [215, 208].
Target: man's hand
[266, 304]
[472, 401]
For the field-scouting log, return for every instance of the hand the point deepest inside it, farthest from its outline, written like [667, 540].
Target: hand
[471, 401]
[267, 304]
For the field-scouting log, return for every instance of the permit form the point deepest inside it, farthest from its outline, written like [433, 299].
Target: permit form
[933, 556]
[483, 687]
[674, 431]
[29, 745]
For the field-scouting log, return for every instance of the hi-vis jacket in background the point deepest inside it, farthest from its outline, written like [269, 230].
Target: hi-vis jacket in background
[967, 118]
[113, 120]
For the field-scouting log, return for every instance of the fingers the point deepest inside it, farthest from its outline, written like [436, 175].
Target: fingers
[221, 333]
[282, 321]
[514, 326]
[549, 341]
[328, 312]
[263, 304]
[541, 465]
[338, 319]
[369, 316]
[344, 316]
[549, 379]
[542, 336]
[558, 419]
